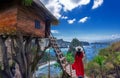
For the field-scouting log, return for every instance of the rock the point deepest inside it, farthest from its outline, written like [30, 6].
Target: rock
[63, 44]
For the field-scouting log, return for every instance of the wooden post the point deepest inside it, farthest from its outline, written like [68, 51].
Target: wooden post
[49, 65]
[47, 28]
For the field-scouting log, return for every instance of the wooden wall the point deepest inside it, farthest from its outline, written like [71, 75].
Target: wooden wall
[21, 18]
[26, 22]
[8, 19]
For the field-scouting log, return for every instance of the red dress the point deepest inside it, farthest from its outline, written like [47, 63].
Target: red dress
[78, 65]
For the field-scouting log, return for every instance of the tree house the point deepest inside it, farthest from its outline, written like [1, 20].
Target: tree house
[33, 20]
[20, 25]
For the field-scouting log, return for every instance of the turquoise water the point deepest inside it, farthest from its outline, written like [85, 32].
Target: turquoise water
[44, 71]
[91, 51]
[64, 50]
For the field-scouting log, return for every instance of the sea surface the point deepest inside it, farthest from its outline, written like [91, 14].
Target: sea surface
[90, 51]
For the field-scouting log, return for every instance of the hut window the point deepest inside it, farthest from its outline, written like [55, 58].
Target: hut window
[37, 24]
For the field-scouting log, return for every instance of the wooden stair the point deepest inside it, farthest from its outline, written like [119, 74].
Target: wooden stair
[61, 59]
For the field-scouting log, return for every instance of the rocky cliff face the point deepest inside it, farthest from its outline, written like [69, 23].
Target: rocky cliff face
[63, 44]
[84, 43]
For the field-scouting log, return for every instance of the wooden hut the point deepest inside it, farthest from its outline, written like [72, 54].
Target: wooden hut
[19, 25]
[33, 20]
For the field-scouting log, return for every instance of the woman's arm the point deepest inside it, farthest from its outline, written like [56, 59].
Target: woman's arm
[83, 53]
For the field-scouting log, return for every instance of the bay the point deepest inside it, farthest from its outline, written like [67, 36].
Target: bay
[90, 52]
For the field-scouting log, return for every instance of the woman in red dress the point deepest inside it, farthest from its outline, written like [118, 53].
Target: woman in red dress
[78, 63]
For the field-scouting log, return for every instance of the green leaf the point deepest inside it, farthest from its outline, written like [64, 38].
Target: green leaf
[69, 57]
[27, 2]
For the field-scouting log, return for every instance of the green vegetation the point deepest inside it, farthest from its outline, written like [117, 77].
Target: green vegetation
[69, 57]
[106, 64]
[27, 2]
[74, 43]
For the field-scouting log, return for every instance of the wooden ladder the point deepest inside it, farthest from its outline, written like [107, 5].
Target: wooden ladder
[61, 59]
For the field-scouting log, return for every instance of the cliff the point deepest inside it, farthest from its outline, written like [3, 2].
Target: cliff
[63, 44]
[84, 43]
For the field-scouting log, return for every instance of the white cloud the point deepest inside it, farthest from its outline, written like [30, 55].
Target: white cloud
[68, 5]
[71, 21]
[56, 6]
[114, 36]
[53, 6]
[82, 20]
[64, 17]
[97, 3]
[96, 37]
[55, 31]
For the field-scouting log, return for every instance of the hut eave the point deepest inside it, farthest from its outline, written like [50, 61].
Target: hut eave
[47, 14]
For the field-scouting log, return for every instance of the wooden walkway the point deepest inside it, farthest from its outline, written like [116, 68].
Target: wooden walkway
[61, 59]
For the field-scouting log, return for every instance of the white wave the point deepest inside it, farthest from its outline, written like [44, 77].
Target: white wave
[45, 65]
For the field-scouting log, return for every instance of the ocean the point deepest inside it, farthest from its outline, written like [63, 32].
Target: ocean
[90, 52]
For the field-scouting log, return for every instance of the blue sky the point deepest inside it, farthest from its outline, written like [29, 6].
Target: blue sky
[87, 20]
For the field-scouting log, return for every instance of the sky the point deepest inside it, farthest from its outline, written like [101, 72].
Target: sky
[86, 20]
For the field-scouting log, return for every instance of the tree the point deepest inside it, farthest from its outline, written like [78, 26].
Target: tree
[69, 58]
[25, 51]
[100, 61]
[107, 62]
[112, 55]
[22, 51]
[90, 69]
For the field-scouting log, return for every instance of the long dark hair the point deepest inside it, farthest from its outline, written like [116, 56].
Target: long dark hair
[78, 53]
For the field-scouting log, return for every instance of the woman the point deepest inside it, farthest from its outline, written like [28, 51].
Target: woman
[78, 63]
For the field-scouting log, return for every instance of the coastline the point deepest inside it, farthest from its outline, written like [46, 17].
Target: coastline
[44, 65]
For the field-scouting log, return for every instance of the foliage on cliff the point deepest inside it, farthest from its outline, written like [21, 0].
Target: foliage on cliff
[106, 64]
[74, 43]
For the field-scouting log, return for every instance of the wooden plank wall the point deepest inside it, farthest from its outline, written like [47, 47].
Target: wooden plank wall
[8, 18]
[26, 22]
